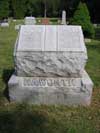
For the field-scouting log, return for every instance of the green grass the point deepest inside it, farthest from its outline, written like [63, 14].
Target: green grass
[93, 65]
[21, 118]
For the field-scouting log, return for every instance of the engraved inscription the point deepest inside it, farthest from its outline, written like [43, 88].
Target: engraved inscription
[51, 82]
[31, 38]
[66, 37]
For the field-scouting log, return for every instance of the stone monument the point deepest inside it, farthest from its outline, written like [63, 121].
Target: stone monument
[63, 18]
[45, 21]
[30, 21]
[4, 23]
[50, 66]
[17, 27]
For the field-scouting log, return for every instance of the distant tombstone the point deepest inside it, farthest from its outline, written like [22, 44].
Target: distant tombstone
[39, 21]
[63, 18]
[17, 27]
[14, 20]
[59, 21]
[50, 66]
[30, 21]
[4, 23]
[87, 40]
[45, 21]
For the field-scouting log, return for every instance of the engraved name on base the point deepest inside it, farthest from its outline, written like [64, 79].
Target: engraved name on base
[51, 82]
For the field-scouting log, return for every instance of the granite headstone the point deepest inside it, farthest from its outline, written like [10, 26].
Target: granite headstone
[50, 66]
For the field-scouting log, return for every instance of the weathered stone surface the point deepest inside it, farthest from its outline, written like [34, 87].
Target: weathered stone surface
[50, 64]
[36, 90]
[49, 51]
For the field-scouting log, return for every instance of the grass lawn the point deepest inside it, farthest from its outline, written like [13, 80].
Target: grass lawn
[22, 118]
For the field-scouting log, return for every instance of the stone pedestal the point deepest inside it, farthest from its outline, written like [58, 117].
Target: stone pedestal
[42, 90]
[49, 66]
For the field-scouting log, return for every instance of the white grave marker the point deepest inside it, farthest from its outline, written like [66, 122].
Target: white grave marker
[30, 21]
[50, 66]
[63, 17]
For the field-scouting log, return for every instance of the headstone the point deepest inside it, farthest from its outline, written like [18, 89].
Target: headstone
[14, 20]
[50, 66]
[59, 21]
[45, 21]
[17, 27]
[30, 21]
[63, 18]
[95, 25]
[4, 24]
[87, 40]
[39, 21]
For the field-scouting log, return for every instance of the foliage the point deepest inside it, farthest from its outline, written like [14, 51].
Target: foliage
[94, 8]
[82, 17]
[4, 9]
[19, 8]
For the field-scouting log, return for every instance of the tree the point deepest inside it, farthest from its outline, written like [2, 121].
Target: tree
[19, 8]
[47, 5]
[4, 9]
[69, 6]
[94, 8]
[34, 8]
[82, 17]
[55, 8]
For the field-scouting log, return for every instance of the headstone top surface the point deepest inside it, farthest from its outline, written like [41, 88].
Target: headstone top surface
[51, 38]
[29, 17]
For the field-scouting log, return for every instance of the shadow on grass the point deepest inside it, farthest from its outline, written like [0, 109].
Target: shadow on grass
[20, 119]
[6, 76]
[97, 33]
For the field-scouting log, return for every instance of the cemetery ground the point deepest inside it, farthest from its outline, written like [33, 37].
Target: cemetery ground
[22, 118]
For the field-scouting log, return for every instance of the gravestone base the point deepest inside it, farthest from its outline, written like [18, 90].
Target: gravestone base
[51, 91]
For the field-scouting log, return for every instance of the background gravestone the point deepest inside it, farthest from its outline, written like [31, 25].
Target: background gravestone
[30, 20]
[4, 23]
[63, 18]
[17, 27]
[45, 21]
[50, 66]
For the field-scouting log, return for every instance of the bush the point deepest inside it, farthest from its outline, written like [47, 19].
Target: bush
[82, 17]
